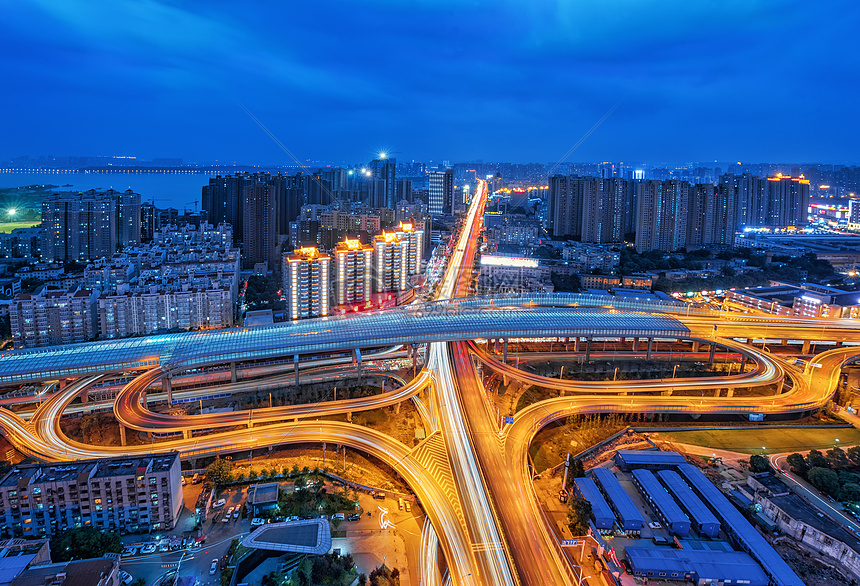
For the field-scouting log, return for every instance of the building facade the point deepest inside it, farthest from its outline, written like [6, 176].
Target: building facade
[353, 272]
[128, 495]
[50, 317]
[306, 282]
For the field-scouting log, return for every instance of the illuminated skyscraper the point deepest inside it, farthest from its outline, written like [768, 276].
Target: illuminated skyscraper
[91, 225]
[413, 238]
[383, 172]
[787, 201]
[260, 203]
[306, 282]
[392, 255]
[661, 222]
[353, 272]
[441, 192]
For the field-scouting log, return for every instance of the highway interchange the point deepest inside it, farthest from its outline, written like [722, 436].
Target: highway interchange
[470, 474]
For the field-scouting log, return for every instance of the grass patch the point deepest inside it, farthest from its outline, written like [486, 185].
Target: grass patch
[6, 227]
[750, 441]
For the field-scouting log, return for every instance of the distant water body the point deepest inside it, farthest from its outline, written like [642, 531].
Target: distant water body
[168, 190]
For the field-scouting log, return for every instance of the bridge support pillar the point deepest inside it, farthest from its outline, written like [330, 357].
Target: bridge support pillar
[186, 434]
[636, 344]
[232, 372]
[397, 408]
[696, 346]
[650, 347]
[505, 351]
[838, 344]
[806, 347]
[356, 357]
[296, 367]
[122, 439]
[743, 363]
[576, 344]
[167, 387]
[349, 416]
[85, 395]
[783, 342]
[713, 352]
[588, 349]
[730, 392]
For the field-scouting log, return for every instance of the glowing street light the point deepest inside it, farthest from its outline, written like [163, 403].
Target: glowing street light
[11, 212]
[382, 155]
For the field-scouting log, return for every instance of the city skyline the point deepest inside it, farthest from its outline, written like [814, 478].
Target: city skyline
[461, 82]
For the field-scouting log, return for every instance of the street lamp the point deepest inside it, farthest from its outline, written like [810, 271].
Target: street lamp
[11, 212]
[674, 370]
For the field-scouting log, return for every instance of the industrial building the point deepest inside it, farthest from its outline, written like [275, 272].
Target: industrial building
[601, 514]
[739, 529]
[703, 520]
[628, 515]
[626, 460]
[670, 514]
[701, 567]
[710, 511]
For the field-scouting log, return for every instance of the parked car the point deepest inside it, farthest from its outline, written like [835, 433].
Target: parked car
[149, 548]
[257, 521]
[236, 513]
[408, 506]
[164, 546]
[338, 516]
[125, 577]
[354, 517]
[129, 551]
[214, 567]
[219, 503]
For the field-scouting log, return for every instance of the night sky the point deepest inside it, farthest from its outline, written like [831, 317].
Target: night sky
[507, 80]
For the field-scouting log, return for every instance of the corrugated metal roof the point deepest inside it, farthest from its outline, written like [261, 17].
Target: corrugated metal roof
[627, 512]
[696, 509]
[603, 515]
[672, 513]
[750, 539]
[706, 565]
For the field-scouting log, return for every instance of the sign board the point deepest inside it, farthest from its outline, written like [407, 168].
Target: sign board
[569, 542]
[814, 365]
[509, 419]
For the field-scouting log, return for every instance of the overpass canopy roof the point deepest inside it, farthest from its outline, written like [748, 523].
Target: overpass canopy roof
[383, 328]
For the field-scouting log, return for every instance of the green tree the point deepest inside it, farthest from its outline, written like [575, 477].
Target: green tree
[219, 470]
[84, 543]
[849, 492]
[578, 515]
[797, 463]
[837, 458]
[815, 459]
[759, 464]
[824, 479]
[854, 455]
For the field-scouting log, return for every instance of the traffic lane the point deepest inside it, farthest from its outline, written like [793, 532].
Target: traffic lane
[536, 559]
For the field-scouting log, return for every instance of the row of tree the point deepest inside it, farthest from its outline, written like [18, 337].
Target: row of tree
[835, 473]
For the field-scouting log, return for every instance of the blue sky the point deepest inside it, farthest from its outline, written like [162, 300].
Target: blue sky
[694, 80]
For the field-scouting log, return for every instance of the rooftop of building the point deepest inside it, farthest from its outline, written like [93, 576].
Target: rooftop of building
[312, 536]
[77, 573]
[721, 565]
[127, 466]
[263, 494]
